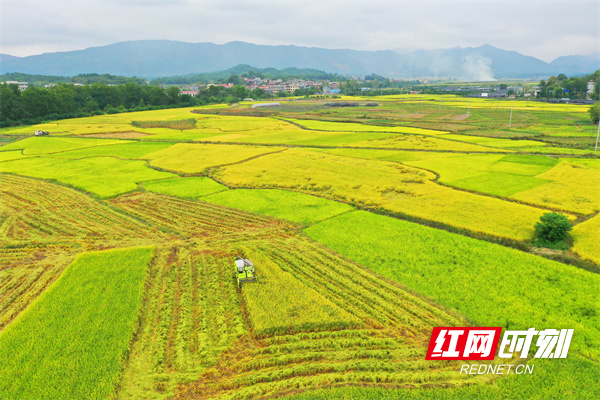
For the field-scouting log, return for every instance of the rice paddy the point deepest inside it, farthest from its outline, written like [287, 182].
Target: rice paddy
[119, 235]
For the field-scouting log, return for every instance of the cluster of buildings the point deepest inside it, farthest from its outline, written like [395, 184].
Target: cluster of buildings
[271, 86]
[278, 86]
[510, 92]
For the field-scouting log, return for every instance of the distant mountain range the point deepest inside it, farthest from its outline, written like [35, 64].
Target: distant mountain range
[4, 57]
[159, 58]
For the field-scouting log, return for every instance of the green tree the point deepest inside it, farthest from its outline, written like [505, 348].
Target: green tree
[132, 94]
[64, 99]
[239, 92]
[91, 106]
[38, 102]
[259, 94]
[11, 108]
[236, 80]
[350, 87]
[595, 77]
[595, 113]
[552, 231]
[173, 94]
[154, 95]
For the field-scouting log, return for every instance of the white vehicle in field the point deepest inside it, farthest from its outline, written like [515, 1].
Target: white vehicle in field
[42, 133]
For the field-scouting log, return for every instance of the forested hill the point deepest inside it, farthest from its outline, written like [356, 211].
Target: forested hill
[188, 79]
[245, 70]
[84, 79]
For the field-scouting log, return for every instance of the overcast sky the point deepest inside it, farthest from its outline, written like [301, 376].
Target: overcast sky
[543, 29]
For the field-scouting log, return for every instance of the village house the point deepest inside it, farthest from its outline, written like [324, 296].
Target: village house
[192, 93]
[591, 86]
[22, 85]
[291, 87]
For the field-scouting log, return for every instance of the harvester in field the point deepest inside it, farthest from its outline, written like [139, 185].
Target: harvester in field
[41, 133]
[244, 271]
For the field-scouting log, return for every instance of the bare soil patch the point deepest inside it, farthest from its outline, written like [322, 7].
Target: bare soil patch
[461, 117]
[413, 116]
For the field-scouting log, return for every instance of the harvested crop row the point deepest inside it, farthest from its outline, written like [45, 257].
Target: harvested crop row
[301, 336]
[271, 310]
[52, 212]
[193, 218]
[191, 314]
[238, 376]
[334, 341]
[26, 273]
[348, 285]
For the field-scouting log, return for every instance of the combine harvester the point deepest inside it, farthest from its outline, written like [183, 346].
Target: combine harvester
[244, 271]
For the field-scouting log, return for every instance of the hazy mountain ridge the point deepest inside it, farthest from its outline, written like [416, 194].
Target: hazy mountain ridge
[578, 64]
[159, 58]
[4, 57]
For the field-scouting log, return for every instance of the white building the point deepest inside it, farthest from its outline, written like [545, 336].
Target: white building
[192, 93]
[22, 85]
[591, 86]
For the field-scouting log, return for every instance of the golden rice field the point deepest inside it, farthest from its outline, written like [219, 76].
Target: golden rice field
[571, 187]
[288, 299]
[385, 185]
[119, 234]
[196, 158]
[537, 180]
[587, 239]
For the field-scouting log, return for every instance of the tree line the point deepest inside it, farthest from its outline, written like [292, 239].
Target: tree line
[574, 88]
[35, 105]
[85, 79]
